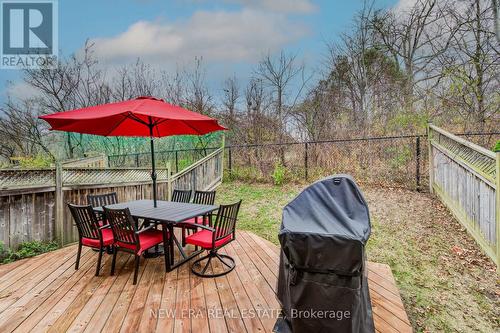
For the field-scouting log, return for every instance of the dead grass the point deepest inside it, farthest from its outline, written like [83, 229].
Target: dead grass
[446, 282]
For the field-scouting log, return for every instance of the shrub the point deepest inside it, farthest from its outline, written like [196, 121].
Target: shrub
[400, 156]
[497, 147]
[246, 174]
[4, 252]
[279, 174]
[39, 161]
[26, 250]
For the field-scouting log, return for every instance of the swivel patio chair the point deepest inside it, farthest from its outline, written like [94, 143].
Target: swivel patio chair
[129, 239]
[90, 232]
[201, 198]
[212, 238]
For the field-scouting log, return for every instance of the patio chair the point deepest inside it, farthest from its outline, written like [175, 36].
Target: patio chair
[90, 232]
[181, 196]
[129, 239]
[201, 198]
[204, 197]
[99, 200]
[212, 238]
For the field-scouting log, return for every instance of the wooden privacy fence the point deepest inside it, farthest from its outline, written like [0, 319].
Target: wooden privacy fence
[466, 178]
[33, 202]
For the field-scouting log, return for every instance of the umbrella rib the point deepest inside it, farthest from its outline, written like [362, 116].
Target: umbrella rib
[157, 130]
[158, 122]
[164, 120]
[128, 115]
[116, 125]
[192, 128]
[135, 118]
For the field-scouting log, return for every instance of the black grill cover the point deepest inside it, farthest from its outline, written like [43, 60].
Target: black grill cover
[322, 283]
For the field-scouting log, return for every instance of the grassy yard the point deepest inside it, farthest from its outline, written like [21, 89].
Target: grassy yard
[447, 284]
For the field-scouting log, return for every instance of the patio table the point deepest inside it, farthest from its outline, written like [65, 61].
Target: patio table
[168, 214]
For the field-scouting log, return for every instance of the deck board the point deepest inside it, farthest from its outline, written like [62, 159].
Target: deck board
[45, 293]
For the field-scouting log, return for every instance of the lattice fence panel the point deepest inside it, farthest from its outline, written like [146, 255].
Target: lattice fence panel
[484, 163]
[18, 178]
[85, 176]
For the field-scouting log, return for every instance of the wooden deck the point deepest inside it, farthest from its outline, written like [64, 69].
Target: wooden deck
[45, 293]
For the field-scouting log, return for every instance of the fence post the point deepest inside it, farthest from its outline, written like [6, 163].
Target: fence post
[176, 161]
[431, 158]
[169, 183]
[59, 204]
[417, 163]
[230, 160]
[222, 156]
[306, 161]
[104, 161]
[497, 208]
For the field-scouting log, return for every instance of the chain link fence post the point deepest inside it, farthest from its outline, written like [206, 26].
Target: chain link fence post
[417, 163]
[306, 161]
[230, 160]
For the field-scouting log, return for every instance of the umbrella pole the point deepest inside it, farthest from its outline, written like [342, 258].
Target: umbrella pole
[153, 172]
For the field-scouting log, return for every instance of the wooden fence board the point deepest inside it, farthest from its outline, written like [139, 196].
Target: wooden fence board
[465, 178]
[5, 220]
[30, 207]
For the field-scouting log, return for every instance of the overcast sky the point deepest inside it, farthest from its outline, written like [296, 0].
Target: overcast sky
[230, 35]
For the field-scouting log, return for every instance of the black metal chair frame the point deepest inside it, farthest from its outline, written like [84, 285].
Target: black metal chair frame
[224, 226]
[100, 200]
[201, 198]
[204, 197]
[125, 230]
[88, 227]
[181, 196]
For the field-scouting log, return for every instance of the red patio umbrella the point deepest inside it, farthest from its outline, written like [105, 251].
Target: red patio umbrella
[143, 116]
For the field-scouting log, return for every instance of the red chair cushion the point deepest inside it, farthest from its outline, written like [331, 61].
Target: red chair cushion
[204, 239]
[147, 240]
[107, 239]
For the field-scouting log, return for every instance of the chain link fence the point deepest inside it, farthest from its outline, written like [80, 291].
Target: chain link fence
[390, 161]
[178, 159]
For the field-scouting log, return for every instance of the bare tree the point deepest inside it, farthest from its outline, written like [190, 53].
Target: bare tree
[496, 6]
[278, 75]
[415, 39]
[21, 132]
[316, 115]
[363, 81]
[131, 81]
[72, 84]
[230, 100]
[175, 89]
[348, 62]
[472, 65]
[198, 97]
[258, 124]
